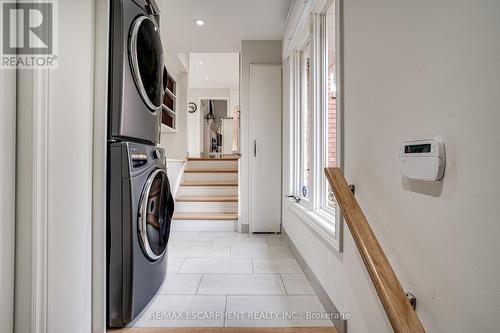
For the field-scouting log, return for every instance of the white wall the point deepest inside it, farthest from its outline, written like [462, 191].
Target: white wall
[175, 171]
[195, 120]
[252, 52]
[227, 136]
[416, 70]
[234, 101]
[7, 196]
[234, 107]
[175, 143]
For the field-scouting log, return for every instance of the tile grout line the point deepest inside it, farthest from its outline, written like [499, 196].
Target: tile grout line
[221, 294]
[246, 295]
[179, 269]
[225, 311]
[199, 283]
[283, 282]
[252, 259]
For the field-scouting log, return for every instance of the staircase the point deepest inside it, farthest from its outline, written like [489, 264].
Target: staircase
[207, 199]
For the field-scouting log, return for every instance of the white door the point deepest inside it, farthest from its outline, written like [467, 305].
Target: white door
[265, 149]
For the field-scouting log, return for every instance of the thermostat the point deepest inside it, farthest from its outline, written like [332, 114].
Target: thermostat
[423, 160]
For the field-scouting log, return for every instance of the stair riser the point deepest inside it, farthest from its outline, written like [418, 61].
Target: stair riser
[206, 207]
[207, 176]
[215, 164]
[206, 191]
[204, 225]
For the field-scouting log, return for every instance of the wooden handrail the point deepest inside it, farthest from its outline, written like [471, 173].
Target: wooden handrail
[397, 306]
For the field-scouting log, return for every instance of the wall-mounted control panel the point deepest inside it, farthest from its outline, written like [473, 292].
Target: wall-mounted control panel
[423, 160]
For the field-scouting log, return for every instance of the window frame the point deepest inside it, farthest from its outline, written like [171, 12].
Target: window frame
[325, 77]
[301, 140]
[314, 209]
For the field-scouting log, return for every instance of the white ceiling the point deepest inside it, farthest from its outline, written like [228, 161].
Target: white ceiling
[227, 23]
[214, 70]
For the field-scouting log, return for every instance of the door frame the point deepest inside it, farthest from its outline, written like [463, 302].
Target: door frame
[32, 192]
[99, 176]
[40, 136]
[7, 197]
[202, 118]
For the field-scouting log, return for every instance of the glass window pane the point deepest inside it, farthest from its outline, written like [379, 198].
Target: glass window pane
[150, 59]
[331, 117]
[306, 139]
[157, 210]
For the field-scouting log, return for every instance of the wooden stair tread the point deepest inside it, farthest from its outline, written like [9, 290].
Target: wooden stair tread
[205, 216]
[209, 183]
[196, 198]
[214, 170]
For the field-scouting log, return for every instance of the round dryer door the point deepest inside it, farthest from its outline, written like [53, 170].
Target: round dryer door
[155, 214]
[146, 61]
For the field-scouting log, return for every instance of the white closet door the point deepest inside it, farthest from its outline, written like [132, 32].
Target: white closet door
[265, 148]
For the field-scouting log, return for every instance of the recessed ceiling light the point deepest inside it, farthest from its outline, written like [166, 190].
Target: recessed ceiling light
[206, 78]
[199, 22]
[201, 62]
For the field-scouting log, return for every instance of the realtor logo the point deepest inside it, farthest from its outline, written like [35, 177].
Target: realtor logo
[28, 34]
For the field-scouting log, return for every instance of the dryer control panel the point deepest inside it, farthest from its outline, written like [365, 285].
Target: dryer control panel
[141, 155]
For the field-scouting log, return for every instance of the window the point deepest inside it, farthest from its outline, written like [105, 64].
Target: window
[305, 124]
[316, 122]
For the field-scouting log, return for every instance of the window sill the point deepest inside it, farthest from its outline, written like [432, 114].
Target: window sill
[318, 222]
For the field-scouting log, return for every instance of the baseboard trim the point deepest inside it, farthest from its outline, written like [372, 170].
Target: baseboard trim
[245, 228]
[340, 325]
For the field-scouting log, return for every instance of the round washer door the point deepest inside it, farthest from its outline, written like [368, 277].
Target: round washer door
[146, 61]
[155, 213]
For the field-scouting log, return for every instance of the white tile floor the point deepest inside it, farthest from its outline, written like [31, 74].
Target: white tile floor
[226, 279]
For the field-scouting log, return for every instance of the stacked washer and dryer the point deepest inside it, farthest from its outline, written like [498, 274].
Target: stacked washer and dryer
[139, 202]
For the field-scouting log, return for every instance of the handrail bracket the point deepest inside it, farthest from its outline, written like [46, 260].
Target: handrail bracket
[412, 299]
